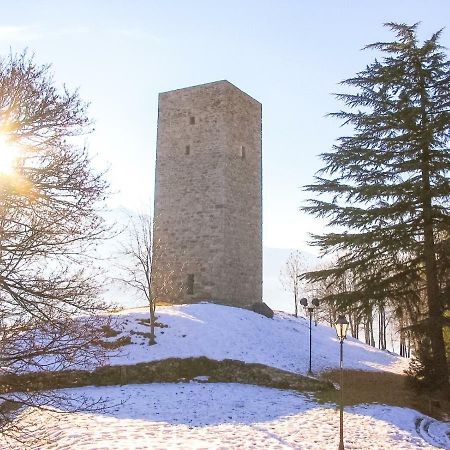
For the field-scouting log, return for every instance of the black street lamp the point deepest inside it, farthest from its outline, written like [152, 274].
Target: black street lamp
[310, 307]
[341, 331]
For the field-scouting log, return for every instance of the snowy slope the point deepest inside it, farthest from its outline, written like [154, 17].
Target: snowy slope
[229, 416]
[221, 332]
[226, 416]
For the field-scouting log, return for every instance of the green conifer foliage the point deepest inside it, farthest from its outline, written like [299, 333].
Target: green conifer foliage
[386, 187]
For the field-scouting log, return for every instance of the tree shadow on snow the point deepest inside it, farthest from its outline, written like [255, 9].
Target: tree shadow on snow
[199, 404]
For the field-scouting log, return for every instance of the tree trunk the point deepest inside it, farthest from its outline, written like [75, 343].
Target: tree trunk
[366, 331]
[295, 299]
[435, 312]
[382, 328]
[434, 327]
[368, 327]
[372, 338]
[356, 325]
[350, 320]
[152, 322]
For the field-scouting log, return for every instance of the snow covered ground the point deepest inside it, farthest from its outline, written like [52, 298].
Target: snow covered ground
[227, 416]
[230, 416]
[221, 332]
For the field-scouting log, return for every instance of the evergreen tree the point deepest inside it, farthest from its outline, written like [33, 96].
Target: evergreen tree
[387, 184]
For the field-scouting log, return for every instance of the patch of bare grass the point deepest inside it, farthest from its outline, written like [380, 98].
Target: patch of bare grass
[146, 322]
[108, 331]
[114, 345]
[384, 388]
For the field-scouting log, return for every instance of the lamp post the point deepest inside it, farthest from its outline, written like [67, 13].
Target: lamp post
[341, 331]
[310, 308]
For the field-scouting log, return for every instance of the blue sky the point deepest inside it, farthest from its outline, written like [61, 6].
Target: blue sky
[289, 55]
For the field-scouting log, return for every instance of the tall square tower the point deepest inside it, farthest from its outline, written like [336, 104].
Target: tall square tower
[208, 196]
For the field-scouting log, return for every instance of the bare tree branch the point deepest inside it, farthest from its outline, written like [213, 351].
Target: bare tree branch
[50, 226]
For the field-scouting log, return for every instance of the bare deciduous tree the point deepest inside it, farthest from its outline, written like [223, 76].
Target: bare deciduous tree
[290, 274]
[136, 271]
[49, 225]
[136, 267]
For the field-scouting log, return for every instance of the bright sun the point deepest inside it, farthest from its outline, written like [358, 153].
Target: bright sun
[8, 156]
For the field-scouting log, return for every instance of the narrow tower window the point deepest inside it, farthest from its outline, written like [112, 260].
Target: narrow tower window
[190, 284]
[188, 149]
[242, 152]
[192, 120]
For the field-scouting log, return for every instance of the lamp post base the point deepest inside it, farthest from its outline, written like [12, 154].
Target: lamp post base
[341, 446]
[309, 373]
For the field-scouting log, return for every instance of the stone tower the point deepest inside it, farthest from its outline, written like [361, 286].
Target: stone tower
[208, 196]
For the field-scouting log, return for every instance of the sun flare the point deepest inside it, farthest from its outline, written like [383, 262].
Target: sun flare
[9, 154]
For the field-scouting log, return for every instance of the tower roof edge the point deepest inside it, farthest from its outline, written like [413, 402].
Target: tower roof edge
[205, 85]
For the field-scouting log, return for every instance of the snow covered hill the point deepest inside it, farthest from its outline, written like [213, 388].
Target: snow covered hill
[200, 415]
[222, 332]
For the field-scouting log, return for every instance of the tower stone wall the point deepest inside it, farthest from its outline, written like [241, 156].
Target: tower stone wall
[208, 196]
